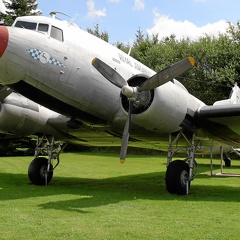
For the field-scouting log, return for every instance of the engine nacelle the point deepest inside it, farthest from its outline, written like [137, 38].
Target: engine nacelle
[163, 109]
[21, 116]
[167, 110]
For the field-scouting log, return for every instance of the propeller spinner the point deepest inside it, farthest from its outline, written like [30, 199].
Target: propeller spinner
[131, 93]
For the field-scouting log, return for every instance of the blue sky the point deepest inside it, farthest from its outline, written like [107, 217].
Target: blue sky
[122, 18]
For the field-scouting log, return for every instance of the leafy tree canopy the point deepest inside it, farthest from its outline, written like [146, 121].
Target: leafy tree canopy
[96, 32]
[16, 8]
[217, 60]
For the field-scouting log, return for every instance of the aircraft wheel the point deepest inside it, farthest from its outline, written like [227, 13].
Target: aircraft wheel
[177, 177]
[227, 161]
[37, 169]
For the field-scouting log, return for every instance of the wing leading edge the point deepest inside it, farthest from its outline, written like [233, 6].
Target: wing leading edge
[222, 118]
[219, 111]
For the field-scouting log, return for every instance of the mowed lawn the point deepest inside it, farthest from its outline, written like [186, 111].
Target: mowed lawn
[93, 196]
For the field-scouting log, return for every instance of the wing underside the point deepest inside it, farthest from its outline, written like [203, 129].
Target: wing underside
[221, 120]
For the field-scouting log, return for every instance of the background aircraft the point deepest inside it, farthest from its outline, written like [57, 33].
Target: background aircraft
[95, 91]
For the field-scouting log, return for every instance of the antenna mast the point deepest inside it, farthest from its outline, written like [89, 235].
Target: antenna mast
[53, 14]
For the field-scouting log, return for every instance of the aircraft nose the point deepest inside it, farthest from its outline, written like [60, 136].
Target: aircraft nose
[3, 39]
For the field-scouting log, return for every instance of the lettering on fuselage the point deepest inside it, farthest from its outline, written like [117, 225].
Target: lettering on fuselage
[125, 59]
[135, 65]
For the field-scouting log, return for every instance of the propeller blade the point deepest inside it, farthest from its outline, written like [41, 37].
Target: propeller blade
[109, 73]
[167, 74]
[125, 137]
[4, 92]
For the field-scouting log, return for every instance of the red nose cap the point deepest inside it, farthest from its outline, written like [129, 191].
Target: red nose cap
[3, 39]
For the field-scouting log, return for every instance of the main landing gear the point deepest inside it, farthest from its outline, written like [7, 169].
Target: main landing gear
[40, 170]
[180, 173]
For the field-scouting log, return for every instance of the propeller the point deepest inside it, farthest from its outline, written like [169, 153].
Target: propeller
[167, 74]
[131, 93]
[109, 73]
[125, 137]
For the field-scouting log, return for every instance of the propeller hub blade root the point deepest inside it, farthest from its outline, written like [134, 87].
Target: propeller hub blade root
[129, 92]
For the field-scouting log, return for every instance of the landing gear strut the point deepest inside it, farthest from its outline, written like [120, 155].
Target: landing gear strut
[180, 173]
[40, 170]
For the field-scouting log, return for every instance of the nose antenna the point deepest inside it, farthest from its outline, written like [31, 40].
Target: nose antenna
[53, 14]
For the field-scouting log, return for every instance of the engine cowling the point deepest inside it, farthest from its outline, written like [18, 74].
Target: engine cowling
[162, 109]
[21, 116]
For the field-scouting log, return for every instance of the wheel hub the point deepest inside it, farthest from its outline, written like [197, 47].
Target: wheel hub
[43, 171]
[184, 178]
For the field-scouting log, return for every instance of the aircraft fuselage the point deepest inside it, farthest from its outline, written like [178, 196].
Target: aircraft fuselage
[50, 62]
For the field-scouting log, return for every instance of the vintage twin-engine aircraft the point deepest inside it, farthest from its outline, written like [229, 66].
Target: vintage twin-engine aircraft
[95, 91]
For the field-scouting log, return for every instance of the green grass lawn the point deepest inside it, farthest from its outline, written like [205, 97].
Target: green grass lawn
[93, 196]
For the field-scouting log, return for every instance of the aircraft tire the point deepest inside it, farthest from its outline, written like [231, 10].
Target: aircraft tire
[36, 171]
[176, 175]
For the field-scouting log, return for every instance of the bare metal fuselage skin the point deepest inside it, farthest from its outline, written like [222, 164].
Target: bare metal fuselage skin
[59, 75]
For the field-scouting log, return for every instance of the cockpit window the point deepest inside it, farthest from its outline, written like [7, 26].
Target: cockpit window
[26, 25]
[43, 27]
[56, 33]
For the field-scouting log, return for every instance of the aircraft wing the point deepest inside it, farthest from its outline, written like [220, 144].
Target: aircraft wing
[221, 120]
[107, 136]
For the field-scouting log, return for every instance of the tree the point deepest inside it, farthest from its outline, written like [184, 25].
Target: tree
[96, 32]
[17, 8]
[139, 37]
[217, 59]
[217, 67]
[123, 47]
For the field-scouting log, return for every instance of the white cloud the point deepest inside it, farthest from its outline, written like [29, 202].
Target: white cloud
[139, 5]
[165, 26]
[2, 7]
[92, 12]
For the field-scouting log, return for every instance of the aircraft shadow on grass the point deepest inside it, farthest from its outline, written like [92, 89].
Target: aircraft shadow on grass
[101, 192]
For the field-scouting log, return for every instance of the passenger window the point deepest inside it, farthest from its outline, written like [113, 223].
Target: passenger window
[57, 33]
[43, 27]
[26, 25]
